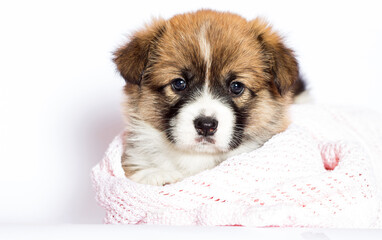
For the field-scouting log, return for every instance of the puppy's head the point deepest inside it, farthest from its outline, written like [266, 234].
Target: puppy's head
[208, 81]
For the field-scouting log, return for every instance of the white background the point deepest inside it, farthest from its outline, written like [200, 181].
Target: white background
[60, 94]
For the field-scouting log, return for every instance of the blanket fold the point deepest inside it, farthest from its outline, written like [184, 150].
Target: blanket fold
[323, 171]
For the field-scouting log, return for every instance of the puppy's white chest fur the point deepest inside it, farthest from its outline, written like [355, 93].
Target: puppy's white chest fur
[171, 166]
[150, 159]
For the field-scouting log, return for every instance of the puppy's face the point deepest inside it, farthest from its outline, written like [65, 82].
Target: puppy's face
[210, 82]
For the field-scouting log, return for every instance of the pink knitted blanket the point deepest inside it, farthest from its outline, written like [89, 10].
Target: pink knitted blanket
[323, 171]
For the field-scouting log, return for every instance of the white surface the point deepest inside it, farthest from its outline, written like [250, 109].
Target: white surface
[60, 94]
[115, 232]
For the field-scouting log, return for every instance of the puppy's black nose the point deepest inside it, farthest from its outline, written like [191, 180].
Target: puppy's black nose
[205, 126]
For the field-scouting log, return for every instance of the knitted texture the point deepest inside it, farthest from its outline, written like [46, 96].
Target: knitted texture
[321, 172]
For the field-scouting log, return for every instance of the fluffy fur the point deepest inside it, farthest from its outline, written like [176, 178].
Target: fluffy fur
[237, 74]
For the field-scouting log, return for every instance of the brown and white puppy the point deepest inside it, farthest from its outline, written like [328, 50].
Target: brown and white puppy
[202, 87]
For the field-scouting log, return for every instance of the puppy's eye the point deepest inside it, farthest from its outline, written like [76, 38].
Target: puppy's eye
[178, 84]
[236, 88]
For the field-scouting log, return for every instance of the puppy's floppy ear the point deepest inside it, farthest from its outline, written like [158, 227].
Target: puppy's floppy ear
[282, 63]
[131, 59]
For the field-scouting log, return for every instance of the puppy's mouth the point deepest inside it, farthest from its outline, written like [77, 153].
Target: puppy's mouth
[205, 140]
[207, 144]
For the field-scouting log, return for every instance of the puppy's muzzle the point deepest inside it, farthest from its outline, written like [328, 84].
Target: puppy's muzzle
[206, 126]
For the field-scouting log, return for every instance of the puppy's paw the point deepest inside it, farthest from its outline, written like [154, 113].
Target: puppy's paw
[157, 177]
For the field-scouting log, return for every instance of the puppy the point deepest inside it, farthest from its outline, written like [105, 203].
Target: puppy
[202, 87]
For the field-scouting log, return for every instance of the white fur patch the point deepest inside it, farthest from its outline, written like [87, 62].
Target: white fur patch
[184, 131]
[158, 162]
[205, 47]
[205, 50]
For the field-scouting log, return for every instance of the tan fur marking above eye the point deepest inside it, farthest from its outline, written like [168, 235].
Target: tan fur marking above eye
[244, 99]
[170, 94]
